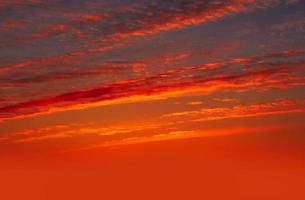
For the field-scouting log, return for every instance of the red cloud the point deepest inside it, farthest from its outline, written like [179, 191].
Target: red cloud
[263, 77]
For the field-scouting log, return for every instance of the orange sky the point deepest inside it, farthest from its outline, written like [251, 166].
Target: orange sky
[177, 99]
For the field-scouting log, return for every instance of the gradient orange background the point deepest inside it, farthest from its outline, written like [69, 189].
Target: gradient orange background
[176, 99]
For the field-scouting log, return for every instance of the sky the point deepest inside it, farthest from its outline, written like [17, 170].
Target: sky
[176, 94]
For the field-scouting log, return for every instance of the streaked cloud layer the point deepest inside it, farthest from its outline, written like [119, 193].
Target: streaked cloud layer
[102, 73]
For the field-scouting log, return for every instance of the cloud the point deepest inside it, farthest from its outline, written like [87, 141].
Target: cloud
[228, 75]
[110, 26]
[225, 100]
[98, 69]
[44, 137]
[240, 111]
[184, 134]
[116, 26]
[57, 128]
[72, 130]
[5, 3]
[12, 24]
[194, 103]
[167, 129]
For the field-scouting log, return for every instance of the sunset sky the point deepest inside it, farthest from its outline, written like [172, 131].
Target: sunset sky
[108, 93]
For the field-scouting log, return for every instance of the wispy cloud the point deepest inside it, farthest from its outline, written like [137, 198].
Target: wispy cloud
[203, 78]
[176, 135]
[57, 56]
[241, 111]
[44, 137]
[132, 21]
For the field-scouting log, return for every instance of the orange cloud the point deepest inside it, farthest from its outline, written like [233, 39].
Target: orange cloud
[225, 100]
[44, 137]
[71, 130]
[195, 103]
[175, 135]
[241, 111]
